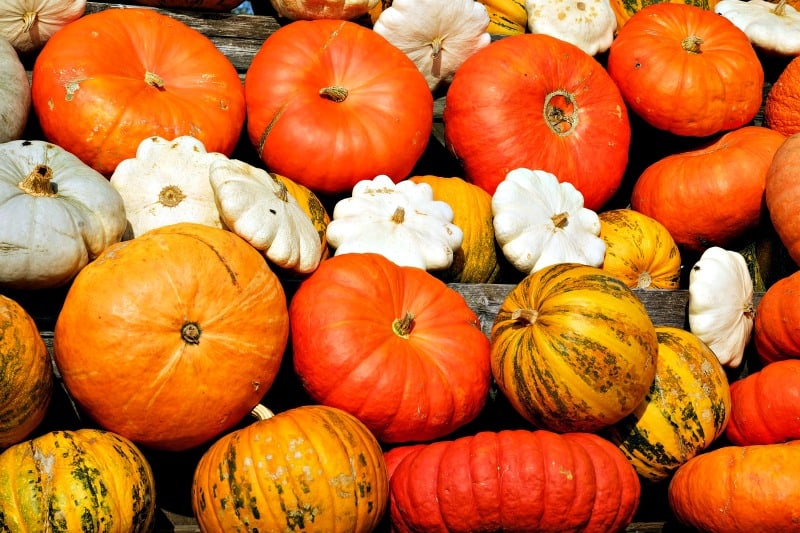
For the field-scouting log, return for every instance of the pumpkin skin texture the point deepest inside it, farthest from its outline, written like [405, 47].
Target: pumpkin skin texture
[739, 489]
[392, 345]
[110, 79]
[81, 480]
[312, 468]
[766, 409]
[686, 70]
[782, 193]
[776, 327]
[573, 348]
[26, 374]
[476, 260]
[534, 101]
[331, 103]
[171, 338]
[639, 250]
[685, 411]
[782, 104]
[514, 481]
[713, 195]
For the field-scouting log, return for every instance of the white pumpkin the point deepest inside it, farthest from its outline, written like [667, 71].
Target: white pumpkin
[588, 24]
[15, 94]
[58, 214]
[437, 35]
[325, 9]
[721, 309]
[258, 208]
[28, 24]
[166, 183]
[774, 27]
[539, 221]
[401, 222]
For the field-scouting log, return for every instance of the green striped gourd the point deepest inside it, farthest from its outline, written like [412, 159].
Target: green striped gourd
[506, 17]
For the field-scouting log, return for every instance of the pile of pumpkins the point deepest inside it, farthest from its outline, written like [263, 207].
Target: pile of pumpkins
[197, 280]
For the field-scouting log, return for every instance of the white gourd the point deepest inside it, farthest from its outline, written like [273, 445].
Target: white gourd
[774, 27]
[588, 24]
[29, 24]
[15, 94]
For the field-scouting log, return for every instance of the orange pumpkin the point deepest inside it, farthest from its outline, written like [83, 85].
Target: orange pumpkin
[782, 193]
[171, 338]
[782, 105]
[776, 327]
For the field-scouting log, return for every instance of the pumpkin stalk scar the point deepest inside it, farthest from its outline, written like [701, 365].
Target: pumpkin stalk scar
[154, 80]
[402, 326]
[190, 333]
[37, 182]
[692, 44]
[399, 215]
[28, 20]
[561, 112]
[525, 316]
[171, 196]
[561, 220]
[334, 93]
[436, 54]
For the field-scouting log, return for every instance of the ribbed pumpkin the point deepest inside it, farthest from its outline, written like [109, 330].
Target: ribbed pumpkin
[311, 468]
[476, 260]
[782, 193]
[171, 338]
[514, 480]
[625, 9]
[776, 327]
[639, 250]
[506, 17]
[80, 480]
[781, 109]
[26, 374]
[573, 348]
[685, 411]
[311, 204]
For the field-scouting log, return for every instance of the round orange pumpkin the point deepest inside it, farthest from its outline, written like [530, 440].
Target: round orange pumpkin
[776, 327]
[782, 193]
[171, 338]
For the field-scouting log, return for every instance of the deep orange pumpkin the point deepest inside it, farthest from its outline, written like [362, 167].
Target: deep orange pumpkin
[781, 107]
[710, 196]
[783, 194]
[776, 328]
[686, 70]
[112, 78]
[392, 345]
[331, 103]
[172, 337]
[538, 102]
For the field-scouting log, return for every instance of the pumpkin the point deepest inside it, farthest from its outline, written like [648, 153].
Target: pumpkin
[199, 5]
[65, 214]
[685, 411]
[782, 192]
[392, 345]
[113, 78]
[639, 250]
[781, 110]
[550, 107]
[738, 489]
[506, 17]
[172, 337]
[77, 480]
[625, 9]
[331, 103]
[588, 24]
[770, 26]
[28, 24]
[312, 468]
[776, 328]
[313, 207]
[26, 375]
[514, 480]
[475, 261]
[15, 94]
[573, 348]
[686, 70]
[765, 408]
[327, 9]
[712, 195]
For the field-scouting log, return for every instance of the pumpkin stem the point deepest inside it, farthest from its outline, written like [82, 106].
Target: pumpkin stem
[436, 68]
[261, 412]
[171, 196]
[334, 93]
[692, 44]
[526, 316]
[560, 220]
[190, 333]
[37, 182]
[153, 80]
[399, 215]
[644, 280]
[402, 326]
[561, 112]
[749, 309]
[28, 20]
[780, 8]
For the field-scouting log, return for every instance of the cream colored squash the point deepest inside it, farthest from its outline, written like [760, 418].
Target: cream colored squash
[588, 24]
[258, 207]
[400, 221]
[437, 36]
[774, 27]
[721, 309]
[58, 214]
[15, 94]
[323, 9]
[28, 24]
[539, 221]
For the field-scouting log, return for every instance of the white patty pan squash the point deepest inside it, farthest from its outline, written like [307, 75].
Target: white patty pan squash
[166, 183]
[774, 27]
[539, 221]
[721, 309]
[401, 222]
[15, 94]
[588, 24]
[28, 24]
[438, 36]
[58, 214]
[258, 208]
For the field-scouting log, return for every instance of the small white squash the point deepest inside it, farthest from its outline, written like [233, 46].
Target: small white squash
[539, 221]
[15, 94]
[28, 24]
[774, 27]
[166, 183]
[437, 35]
[322, 9]
[58, 214]
[721, 309]
[401, 222]
[588, 24]
[259, 209]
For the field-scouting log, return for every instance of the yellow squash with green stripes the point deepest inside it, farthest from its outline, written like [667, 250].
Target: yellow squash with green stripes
[506, 17]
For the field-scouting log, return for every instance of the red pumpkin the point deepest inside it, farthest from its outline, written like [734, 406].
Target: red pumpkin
[538, 102]
[776, 327]
[392, 345]
[710, 196]
[331, 103]
[513, 480]
[112, 78]
[686, 70]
